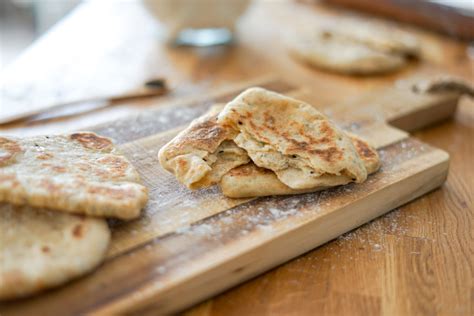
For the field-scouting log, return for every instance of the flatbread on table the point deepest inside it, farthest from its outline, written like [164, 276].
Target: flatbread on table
[326, 50]
[354, 46]
[40, 249]
[202, 153]
[77, 173]
[291, 138]
[252, 181]
[380, 36]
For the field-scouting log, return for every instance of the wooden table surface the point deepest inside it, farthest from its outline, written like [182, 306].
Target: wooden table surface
[417, 260]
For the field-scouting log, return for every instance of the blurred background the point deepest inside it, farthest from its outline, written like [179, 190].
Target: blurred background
[23, 21]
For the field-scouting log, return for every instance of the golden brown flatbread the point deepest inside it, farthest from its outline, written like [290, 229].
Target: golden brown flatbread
[252, 181]
[202, 153]
[78, 173]
[291, 138]
[40, 249]
[293, 148]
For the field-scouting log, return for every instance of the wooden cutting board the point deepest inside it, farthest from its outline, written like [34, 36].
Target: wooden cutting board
[190, 245]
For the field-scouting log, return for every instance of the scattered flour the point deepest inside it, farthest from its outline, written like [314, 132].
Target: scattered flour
[377, 247]
[161, 269]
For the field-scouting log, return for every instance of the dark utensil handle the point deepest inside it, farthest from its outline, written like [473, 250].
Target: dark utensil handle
[443, 18]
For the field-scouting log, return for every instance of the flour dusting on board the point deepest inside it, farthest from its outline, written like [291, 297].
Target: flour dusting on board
[264, 215]
[153, 122]
[272, 215]
[205, 216]
[407, 150]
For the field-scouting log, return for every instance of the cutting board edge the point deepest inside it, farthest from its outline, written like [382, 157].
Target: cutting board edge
[426, 116]
[198, 287]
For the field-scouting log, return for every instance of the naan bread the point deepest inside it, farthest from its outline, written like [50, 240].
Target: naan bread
[251, 181]
[40, 249]
[326, 50]
[292, 139]
[77, 173]
[201, 154]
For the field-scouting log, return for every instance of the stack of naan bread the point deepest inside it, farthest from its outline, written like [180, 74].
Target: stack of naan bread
[263, 143]
[352, 46]
[55, 192]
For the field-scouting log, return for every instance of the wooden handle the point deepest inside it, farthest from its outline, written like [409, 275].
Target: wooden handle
[431, 15]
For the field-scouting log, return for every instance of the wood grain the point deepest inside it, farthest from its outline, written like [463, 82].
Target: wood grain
[347, 276]
[189, 240]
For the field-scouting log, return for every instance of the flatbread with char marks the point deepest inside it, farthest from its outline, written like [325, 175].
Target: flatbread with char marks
[78, 173]
[41, 249]
[252, 181]
[202, 153]
[291, 138]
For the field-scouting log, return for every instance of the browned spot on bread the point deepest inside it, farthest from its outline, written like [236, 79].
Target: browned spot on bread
[55, 168]
[92, 141]
[45, 249]
[8, 149]
[83, 166]
[269, 119]
[326, 129]
[182, 163]
[324, 140]
[206, 134]
[116, 165]
[59, 169]
[367, 153]
[77, 231]
[248, 169]
[50, 186]
[331, 155]
[257, 131]
[207, 129]
[44, 156]
[363, 149]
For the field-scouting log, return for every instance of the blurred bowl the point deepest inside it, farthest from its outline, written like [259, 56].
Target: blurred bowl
[198, 22]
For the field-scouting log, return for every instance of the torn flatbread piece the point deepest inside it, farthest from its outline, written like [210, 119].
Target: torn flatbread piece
[327, 50]
[79, 173]
[40, 249]
[202, 153]
[291, 138]
[251, 181]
